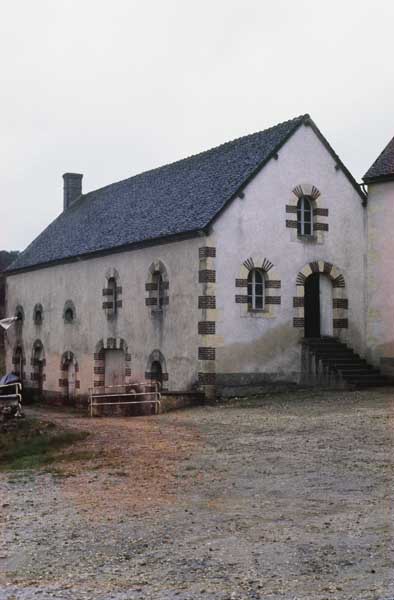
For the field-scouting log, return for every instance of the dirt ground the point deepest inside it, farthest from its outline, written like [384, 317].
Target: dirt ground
[289, 497]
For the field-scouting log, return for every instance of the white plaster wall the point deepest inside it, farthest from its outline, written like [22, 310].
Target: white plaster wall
[175, 335]
[380, 280]
[256, 226]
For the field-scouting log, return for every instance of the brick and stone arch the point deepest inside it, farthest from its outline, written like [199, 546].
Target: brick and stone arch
[157, 286]
[66, 360]
[19, 361]
[340, 301]
[38, 363]
[319, 213]
[38, 315]
[206, 325]
[112, 294]
[69, 312]
[156, 368]
[272, 287]
[104, 344]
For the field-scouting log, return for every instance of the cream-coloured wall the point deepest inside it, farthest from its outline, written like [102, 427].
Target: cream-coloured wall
[255, 226]
[252, 226]
[174, 334]
[380, 274]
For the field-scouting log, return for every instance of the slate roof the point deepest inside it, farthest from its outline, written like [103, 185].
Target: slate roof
[383, 167]
[181, 198]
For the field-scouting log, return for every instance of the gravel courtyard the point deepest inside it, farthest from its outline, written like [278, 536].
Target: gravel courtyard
[289, 496]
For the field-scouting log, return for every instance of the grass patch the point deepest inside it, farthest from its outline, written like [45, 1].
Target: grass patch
[32, 444]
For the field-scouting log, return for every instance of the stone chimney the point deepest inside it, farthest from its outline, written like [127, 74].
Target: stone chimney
[72, 189]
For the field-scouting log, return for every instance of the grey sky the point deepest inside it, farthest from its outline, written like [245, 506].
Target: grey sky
[113, 88]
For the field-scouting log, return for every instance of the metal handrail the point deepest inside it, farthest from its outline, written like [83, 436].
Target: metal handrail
[18, 391]
[17, 396]
[94, 396]
[15, 384]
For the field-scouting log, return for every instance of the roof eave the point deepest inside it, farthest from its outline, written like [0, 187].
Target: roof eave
[378, 179]
[177, 237]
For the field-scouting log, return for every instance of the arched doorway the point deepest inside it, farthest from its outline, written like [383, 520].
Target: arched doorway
[157, 372]
[318, 306]
[156, 368]
[321, 304]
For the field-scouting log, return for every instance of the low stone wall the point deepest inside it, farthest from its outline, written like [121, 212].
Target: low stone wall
[229, 385]
[177, 400]
[387, 366]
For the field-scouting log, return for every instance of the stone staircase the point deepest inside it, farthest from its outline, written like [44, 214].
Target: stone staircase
[330, 361]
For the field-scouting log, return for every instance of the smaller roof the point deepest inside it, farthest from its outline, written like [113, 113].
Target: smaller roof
[383, 167]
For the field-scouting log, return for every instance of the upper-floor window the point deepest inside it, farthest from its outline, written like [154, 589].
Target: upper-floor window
[304, 216]
[256, 289]
[112, 294]
[20, 315]
[157, 279]
[69, 315]
[37, 314]
[157, 287]
[69, 312]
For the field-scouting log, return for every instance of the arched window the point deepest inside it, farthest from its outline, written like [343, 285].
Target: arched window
[304, 216]
[112, 293]
[20, 315]
[256, 289]
[69, 312]
[69, 315]
[157, 287]
[37, 314]
[157, 279]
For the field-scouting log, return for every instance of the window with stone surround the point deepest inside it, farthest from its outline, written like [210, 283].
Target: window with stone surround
[112, 294]
[256, 289]
[156, 287]
[304, 216]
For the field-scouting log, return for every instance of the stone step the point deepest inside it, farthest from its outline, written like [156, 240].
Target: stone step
[339, 358]
[356, 372]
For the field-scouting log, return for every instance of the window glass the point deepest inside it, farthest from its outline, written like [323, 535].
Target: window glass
[256, 285]
[304, 216]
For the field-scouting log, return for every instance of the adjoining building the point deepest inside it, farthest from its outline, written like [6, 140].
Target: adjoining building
[228, 269]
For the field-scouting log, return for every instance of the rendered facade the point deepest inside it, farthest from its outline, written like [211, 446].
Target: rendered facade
[211, 273]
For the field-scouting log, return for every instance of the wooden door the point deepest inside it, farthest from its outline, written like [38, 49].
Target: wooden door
[312, 306]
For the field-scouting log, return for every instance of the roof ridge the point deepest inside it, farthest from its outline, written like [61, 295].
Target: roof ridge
[168, 202]
[190, 156]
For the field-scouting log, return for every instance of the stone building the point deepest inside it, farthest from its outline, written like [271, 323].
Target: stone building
[229, 268]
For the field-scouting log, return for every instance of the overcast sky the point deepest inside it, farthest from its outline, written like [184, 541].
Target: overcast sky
[112, 88]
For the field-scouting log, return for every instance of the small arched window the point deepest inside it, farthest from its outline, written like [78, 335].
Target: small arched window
[69, 312]
[157, 279]
[69, 315]
[37, 314]
[304, 216]
[20, 315]
[112, 292]
[256, 289]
